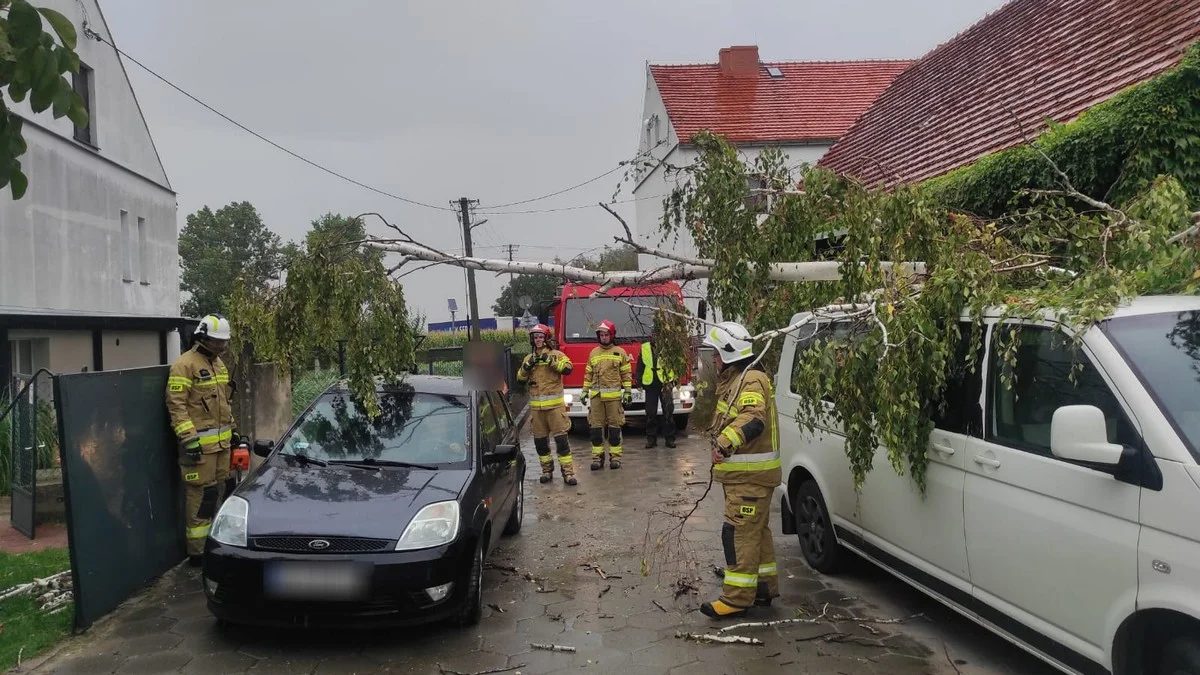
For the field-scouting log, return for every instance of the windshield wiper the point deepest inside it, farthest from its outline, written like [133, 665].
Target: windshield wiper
[372, 463]
[305, 459]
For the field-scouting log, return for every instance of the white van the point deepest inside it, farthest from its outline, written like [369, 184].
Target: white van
[1061, 513]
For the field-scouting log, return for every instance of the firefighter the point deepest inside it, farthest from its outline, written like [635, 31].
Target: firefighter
[199, 394]
[542, 371]
[607, 387]
[658, 383]
[745, 457]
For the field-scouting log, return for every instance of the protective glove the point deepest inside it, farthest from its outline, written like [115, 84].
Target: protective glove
[193, 452]
[585, 395]
[527, 366]
[627, 397]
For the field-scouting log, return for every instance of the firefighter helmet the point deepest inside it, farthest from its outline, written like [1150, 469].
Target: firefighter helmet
[609, 326]
[731, 340]
[215, 327]
[543, 329]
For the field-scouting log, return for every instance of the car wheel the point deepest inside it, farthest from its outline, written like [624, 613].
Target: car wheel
[1181, 657]
[513, 525]
[472, 606]
[821, 549]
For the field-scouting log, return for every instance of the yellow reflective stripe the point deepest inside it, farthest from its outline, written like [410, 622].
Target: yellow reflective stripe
[222, 378]
[185, 381]
[606, 357]
[198, 532]
[208, 383]
[741, 580]
[548, 403]
[767, 570]
[751, 398]
[209, 439]
[748, 466]
[610, 395]
[185, 426]
[723, 407]
[735, 439]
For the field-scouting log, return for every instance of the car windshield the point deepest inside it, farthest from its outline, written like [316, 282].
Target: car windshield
[411, 428]
[1164, 351]
[633, 323]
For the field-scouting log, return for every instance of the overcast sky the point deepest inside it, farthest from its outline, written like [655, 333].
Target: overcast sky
[435, 100]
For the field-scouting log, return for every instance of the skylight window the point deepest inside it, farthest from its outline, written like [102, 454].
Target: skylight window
[774, 72]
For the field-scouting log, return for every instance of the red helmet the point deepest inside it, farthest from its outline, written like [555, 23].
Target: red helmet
[608, 326]
[540, 328]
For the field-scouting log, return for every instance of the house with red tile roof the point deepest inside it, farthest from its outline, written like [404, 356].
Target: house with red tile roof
[802, 107]
[997, 83]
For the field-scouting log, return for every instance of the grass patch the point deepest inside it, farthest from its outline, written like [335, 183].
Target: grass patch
[24, 629]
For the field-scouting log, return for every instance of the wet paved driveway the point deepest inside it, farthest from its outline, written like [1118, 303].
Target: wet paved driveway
[545, 586]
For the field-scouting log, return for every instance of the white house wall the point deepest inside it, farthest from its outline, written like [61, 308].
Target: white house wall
[64, 246]
[130, 349]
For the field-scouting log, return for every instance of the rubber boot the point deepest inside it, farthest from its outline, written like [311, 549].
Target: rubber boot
[719, 610]
[542, 445]
[566, 463]
[761, 599]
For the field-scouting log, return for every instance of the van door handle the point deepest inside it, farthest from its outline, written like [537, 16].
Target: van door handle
[944, 449]
[987, 461]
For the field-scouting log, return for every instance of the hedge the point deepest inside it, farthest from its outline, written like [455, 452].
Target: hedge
[1112, 152]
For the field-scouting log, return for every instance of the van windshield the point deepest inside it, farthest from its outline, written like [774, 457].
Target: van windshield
[633, 322]
[1164, 351]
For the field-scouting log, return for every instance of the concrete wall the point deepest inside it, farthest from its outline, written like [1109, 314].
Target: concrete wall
[67, 351]
[96, 231]
[130, 349]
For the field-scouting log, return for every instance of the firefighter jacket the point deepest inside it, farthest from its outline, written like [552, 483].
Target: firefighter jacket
[199, 397]
[609, 373]
[543, 371]
[746, 429]
[650, 371]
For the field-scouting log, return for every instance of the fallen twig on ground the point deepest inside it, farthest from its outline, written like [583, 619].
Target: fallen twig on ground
[658, 605]
[496, 607]
[869, 629]
[574, 545]
[503, 568]
[447, 671]
[818, 636]
[946, 651]
[721, 639]
[604, 590]
[552, 648]
[56, 582]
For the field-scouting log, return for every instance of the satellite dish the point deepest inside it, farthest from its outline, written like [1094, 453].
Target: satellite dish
[525, 302]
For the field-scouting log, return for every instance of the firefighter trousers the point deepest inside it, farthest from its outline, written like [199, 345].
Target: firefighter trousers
[606, 417]
[205, 485]
[749, 549]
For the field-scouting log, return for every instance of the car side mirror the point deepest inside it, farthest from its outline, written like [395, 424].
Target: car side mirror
[263, 448]
[1079, 433]
[501, 454]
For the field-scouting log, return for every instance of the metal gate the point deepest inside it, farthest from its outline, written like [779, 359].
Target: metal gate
[29, 437]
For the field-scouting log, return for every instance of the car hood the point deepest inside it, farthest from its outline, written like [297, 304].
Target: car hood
[338, 501]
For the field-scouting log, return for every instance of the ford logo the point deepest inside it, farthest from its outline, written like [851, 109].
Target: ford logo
[318, 544]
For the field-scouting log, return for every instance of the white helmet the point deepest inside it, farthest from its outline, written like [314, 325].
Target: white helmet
[731, 340]
[214, 326]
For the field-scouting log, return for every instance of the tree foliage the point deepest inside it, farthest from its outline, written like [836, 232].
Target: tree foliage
[611, 259]
[539, 288]
[218, 248]
[331, 292]
[33, 65]
[886, 377]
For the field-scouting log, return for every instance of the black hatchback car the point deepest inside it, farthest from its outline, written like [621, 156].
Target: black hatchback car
[354, 520]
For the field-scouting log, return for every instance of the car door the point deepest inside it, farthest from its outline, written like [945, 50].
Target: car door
[821, 451]
[509, 435]
[926, 531]
[1052, 544]
[495, 496]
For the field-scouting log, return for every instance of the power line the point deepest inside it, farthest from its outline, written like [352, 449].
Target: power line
[559, 192]
[98, 38]
[569, 208]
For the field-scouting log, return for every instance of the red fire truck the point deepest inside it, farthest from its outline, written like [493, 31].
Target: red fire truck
[576, 315]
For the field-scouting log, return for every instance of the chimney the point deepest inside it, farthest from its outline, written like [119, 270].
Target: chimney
[739, 61]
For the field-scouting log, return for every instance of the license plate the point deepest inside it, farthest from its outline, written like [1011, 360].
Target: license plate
[315, 581]
[639, 396]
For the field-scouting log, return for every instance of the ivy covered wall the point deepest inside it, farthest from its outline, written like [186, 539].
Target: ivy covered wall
[1112, 152]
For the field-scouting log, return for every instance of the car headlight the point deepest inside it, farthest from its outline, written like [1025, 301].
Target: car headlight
[685, 395]
[434, 525]
[569, 398]
[229, 527]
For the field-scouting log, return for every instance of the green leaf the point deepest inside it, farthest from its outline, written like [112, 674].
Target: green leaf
[19, 183]
[62, 102]
[78, 113]
[61, 25]
[5, 47]
[24, 25]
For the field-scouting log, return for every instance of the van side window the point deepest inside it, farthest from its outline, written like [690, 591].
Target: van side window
[1050, 372]
[957, 408]
[807, 338]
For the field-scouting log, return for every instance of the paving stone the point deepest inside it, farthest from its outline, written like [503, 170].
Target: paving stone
[154, 664]
[284, 666]
[147, 612]
[149, 644]
[87, 665]
[226, 663]
[132, 629]
[351, 664]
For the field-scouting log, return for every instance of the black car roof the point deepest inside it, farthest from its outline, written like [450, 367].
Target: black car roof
[423, 384]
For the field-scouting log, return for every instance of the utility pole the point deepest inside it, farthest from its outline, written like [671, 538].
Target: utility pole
[512, 248]
[464, 207]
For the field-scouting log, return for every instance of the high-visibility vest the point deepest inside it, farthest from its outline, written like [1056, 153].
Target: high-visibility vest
[650, 367]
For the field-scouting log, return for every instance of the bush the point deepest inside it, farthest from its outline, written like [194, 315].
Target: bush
[306, 388]
[519, 341]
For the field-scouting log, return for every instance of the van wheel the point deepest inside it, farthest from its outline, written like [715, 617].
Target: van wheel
[821, 549]
[1181, 657]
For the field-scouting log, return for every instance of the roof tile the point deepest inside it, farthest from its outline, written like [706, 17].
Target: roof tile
[812, 101]
[1029, 60]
